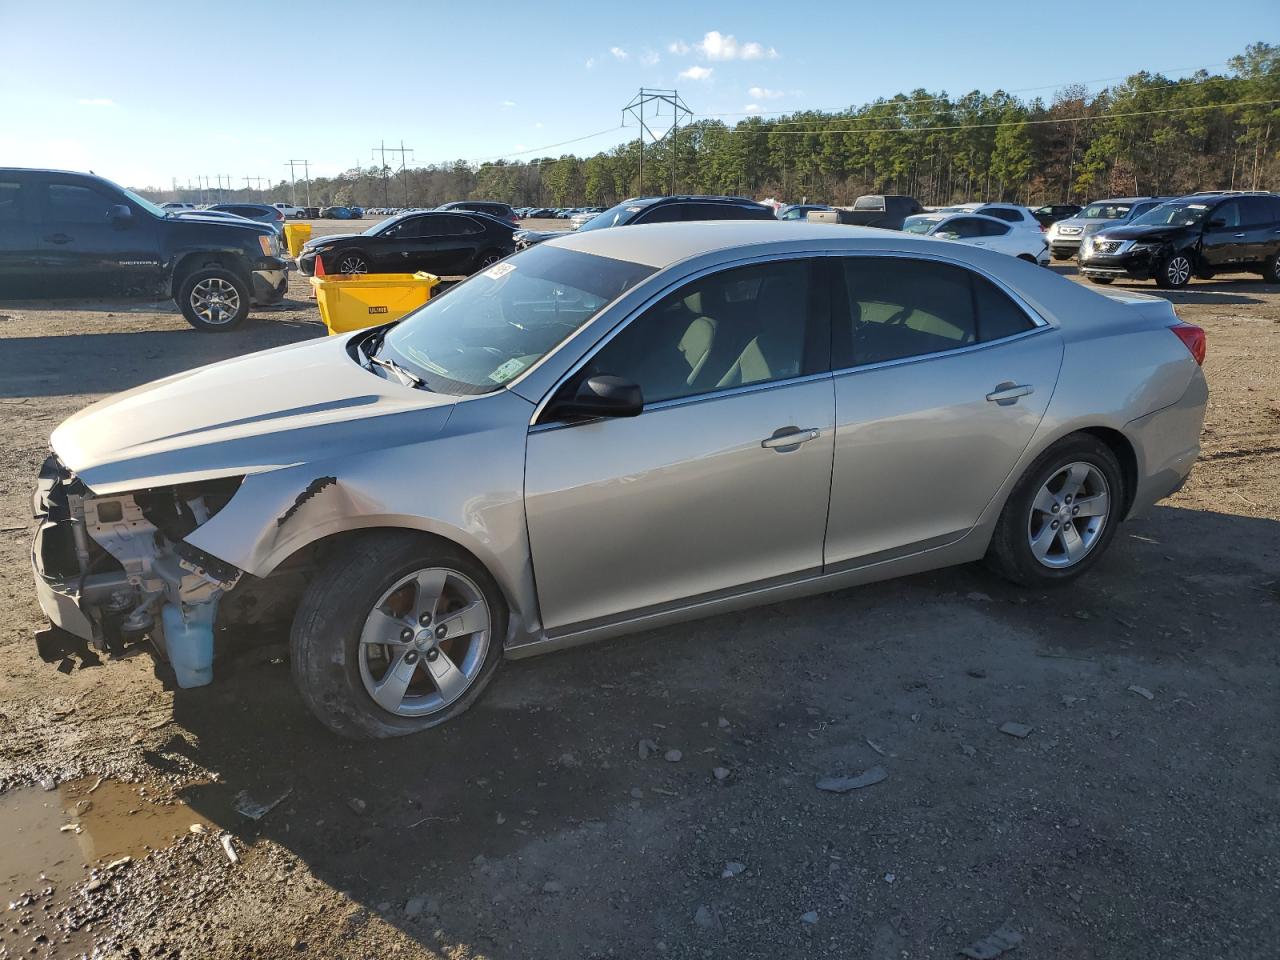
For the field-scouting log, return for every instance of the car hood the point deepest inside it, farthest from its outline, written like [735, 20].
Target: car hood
[192, 218]
[1137, 232]
[264, 411]
[328, 239]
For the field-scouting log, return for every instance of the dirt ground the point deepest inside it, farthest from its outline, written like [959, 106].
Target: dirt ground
[1139, 818]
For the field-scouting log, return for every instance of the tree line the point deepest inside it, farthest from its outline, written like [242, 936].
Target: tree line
[1148, 135]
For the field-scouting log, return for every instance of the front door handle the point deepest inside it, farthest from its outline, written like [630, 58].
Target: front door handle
[1009, 392]
[1238, 236]
[57, 238]
[785, 439]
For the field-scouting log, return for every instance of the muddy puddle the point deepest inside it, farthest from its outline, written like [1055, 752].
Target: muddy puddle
[53, 837]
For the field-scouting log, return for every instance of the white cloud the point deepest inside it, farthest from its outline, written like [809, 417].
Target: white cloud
[764, 93]
[96, 102]
[508, 104]
[725, 46]
[678, 47]
[619, 53]
[591, 62]
[695, 73]
[751, 108]
[649, 58]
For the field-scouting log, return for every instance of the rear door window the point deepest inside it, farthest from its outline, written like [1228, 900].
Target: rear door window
[11, 210]
[1259, 211]
[666, 213]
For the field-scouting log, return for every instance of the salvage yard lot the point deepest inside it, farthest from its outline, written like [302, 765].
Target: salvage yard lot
[1138, 818]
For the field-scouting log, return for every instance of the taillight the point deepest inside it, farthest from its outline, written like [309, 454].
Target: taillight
[1192, 338]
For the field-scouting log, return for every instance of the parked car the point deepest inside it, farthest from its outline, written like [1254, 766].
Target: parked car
[501, 211]
[980, 230]
[336, 213]
[640, 210]
[874, 210]
[581, 216]
[1066, 235]
[67, 234]
[1018, 216]
[1201, 235]
[260, 212]
[798, 211]
[1051, 213]
[445, 243]
[176, 206]
[609, 432]
[290, 212]
[357, 213]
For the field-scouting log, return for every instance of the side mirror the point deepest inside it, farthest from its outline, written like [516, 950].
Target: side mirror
[1217, 223]
[120, 215]
[600, 396]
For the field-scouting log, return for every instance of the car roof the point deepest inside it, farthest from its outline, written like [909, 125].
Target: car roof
[708, 198]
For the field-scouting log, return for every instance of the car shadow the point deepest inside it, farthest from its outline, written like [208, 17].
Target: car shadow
[91, 363]
[1225, 291]
[541, 785]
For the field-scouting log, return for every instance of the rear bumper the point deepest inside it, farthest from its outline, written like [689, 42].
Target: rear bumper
[1167, 443]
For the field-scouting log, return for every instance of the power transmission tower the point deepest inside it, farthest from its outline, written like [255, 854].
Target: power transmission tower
[402, 150]
[293, 180]
[678, 109]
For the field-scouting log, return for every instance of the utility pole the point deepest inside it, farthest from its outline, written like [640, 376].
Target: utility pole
[293, 180]
[381, 150]
[402, 150]
[636, 107]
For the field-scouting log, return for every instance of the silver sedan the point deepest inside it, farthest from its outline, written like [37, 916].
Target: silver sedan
[611, 431]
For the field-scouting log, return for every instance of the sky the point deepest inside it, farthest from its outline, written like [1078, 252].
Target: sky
[144, 93]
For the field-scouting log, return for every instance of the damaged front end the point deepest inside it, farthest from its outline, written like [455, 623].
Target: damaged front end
[115, 569]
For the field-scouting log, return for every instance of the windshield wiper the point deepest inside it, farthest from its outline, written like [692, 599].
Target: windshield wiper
[370, 347]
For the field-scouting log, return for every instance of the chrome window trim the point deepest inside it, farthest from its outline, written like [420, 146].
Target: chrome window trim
[917, 358]
[1040, 323]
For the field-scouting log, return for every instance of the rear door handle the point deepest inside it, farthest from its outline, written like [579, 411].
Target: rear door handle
[1237, 235]
[1009, 392]
[57, 238]
[788, 438]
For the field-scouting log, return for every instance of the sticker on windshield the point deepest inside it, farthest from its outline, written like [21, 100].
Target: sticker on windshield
[508, 370]
[1197, 206]
[499, 270]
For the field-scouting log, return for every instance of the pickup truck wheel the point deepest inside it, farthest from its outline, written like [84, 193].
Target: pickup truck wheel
[1271, 270]
[400, 633]
[213, 299]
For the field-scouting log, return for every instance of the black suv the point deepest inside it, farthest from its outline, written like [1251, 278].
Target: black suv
[640, 210]
[502, 211]
[1200, 235]
[74, 234]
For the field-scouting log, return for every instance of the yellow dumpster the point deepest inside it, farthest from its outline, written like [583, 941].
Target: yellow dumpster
[354, 301]
[295, 235]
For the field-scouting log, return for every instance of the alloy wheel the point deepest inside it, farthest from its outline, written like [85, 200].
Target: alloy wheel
[1068, 515]
[353, 265]
[424, 642]
[215, 301]
[1178, 271]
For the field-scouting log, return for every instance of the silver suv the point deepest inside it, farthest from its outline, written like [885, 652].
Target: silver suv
[1065, 235]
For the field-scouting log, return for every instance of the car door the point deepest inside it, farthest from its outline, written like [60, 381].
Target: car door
[721, 483]
[83, 250]
[19, 238]
[1220, 243]
[405, 246]
[1260, 224]
[1002, 238]
[968, 230]
[941, 380]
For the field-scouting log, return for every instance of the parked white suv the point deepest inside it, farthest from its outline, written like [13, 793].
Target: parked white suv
[1012, 214]
[290, 211]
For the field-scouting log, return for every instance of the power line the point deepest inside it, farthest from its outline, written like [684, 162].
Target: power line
[923, 100]
[1005, 123]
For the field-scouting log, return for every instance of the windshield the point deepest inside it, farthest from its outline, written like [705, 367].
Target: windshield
[612, 217]
[1175, 214]
[489, 329]
[145, 204]
[919, 224]
[1104, 211]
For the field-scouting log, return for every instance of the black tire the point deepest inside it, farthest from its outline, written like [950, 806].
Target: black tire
[1061, 256]
[349, 262]
[1102, 280]
[1174, 271]
[1271, 270]
[195, 299]
[325, 638]
[1028, 258]
[1010, 553]
[487, 258]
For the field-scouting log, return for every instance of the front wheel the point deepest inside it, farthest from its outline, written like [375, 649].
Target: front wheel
[1174, 272]
[1102, 280]
[352, 263]
[487, 259]
[1061, 515]
[400, 633]
[213, 299]
[1271, 270]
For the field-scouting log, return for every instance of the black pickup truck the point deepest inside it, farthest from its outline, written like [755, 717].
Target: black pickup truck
[885, 211]
[68, 234]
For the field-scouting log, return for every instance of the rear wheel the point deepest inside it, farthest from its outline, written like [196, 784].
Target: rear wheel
[487, 259]
[1271, 270]
[1061, 515]
[399, 633]
[1174, 272]
[213, 299]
